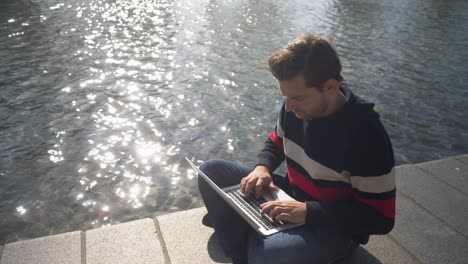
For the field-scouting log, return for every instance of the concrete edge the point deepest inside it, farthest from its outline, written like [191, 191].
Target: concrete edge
[423, 167]
[438, 218]
[404, 165]
[58, 248]
[134, 241]
[458, 158]
[420, 167]
[401, 247]
[83, 247]
[1, 253]
[462, 158]
[167, 259]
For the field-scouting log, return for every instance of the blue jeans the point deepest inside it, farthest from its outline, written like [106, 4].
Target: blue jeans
[305, 244]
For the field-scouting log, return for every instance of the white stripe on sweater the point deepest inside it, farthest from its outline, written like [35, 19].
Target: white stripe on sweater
[370, 184]
[313, 168]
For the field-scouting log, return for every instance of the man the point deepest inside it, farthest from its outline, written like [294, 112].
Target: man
[339, 163]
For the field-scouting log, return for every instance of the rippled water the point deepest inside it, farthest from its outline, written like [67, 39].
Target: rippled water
[101, 100]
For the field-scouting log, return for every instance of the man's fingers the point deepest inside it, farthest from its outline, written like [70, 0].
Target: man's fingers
[273, 187]
[290, 211]
[249, 186]
[283, 217]
[280, 213]
[277, 210]
[243, 183]
[266, 207]
[259, 188]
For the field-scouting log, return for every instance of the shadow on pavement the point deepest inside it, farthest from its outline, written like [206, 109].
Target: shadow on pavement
[215, 252]
[361, 256]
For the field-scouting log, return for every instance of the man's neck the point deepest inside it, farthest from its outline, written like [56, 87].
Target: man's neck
[341, 100]
[337, 102]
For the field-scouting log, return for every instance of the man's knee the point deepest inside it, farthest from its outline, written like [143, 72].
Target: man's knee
[287, 247]
[214, 170]
[281, 256]
[264, 255]
[223, 173]
[211, 166]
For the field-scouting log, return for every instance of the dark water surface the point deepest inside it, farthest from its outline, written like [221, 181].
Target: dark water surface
[101, 100]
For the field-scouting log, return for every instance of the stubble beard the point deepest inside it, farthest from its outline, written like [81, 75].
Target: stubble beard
[320, 113]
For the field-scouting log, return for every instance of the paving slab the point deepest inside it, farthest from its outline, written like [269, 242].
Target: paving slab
[187, 240]
[63, 248]
[132, 242]
[426, 237]
[436, 196]
[463, 158]
[386, 250]
[451, 170]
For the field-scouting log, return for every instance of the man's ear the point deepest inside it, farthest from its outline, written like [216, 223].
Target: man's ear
[330, 86]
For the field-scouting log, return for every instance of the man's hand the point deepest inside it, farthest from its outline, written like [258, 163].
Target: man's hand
[290, 211]
[258, 181]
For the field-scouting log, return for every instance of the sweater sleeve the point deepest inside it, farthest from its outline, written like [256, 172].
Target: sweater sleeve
[272, 154]
[371, 208]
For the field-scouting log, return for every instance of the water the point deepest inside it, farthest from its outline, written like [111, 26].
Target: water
[101, 100]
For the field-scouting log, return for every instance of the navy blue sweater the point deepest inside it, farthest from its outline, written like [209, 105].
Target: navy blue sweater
[341, 165]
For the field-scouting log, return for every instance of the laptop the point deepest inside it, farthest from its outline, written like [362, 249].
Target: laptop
[249, 208]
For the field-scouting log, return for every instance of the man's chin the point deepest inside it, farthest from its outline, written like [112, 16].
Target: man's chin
[304, 116]
[300, 116]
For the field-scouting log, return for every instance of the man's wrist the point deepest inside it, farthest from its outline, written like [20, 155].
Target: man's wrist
[261, 167]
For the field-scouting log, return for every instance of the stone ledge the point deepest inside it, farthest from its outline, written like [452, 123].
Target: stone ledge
[463, 158]
[131, 242]
[385, 250]
[63, 248]
[436, 196]
[451, 170]
[187, 240]
[425, 236]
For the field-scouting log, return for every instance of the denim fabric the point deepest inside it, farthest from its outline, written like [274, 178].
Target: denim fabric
[305, 244]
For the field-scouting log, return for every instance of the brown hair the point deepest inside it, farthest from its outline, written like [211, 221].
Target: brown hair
[308, 54]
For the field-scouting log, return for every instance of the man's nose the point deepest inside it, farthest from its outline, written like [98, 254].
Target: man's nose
[288, 106]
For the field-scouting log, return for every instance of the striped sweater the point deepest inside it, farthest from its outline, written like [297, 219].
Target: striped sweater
[342, 165]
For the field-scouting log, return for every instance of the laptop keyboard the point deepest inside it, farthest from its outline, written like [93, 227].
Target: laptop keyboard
[252, 206]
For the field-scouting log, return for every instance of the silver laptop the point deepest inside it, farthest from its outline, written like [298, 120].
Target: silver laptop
[249, 208]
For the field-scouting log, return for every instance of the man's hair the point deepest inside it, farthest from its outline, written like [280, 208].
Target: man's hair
[308, 54]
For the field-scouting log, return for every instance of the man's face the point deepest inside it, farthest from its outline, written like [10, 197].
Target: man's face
[304, 102]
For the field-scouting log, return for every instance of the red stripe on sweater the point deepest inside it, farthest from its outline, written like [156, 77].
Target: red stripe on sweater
[384, 207]
[319, 193]
[275, 140]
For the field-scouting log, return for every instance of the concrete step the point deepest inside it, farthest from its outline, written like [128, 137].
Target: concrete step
[132, 242]
[187, 240]
[452, 171]
[63, 248]
[426, 237]
[445, 202]
[463, 158]
[382, 249]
